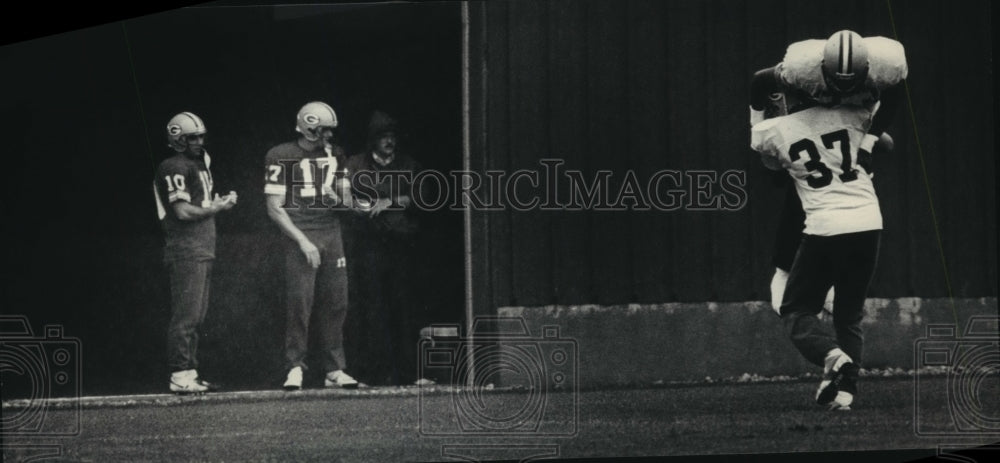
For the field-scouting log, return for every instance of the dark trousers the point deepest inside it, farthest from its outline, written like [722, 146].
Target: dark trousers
[791, 222]
[319, 294]
[189, 288]
[848, 263]
[386, 305]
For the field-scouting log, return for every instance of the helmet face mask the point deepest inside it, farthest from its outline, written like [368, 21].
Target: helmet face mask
[316, 121]
[185, 132]
[325, 133]
[845, 62]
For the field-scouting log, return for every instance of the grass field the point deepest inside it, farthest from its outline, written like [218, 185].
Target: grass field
[386, 425]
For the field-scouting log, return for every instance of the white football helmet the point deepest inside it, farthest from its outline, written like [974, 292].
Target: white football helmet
[316, 120]
[845, 62]
[180, 127]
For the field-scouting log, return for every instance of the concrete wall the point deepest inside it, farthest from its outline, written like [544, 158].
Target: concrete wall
[645, 344]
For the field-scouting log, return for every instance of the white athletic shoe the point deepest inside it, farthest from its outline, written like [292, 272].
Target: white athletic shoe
[338, 378]
[842, 402]
[840, 374]
[294, 380]
[187, 382]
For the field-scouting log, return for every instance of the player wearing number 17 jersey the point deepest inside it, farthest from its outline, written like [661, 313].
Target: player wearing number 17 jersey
[819, 146]
[306, 189]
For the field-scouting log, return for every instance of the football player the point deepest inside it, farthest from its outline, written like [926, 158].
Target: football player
[306, 190]
[819, 145]
[845, 68]
[187, 209]
[791, 222]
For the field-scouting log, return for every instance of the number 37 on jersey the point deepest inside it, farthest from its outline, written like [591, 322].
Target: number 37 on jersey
[816, 145]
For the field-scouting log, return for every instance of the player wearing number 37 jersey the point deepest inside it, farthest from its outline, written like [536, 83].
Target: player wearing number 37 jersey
[818, 146]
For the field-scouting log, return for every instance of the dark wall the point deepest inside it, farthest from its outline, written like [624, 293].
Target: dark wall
[84, 114]
[645, 86]
[635, 85]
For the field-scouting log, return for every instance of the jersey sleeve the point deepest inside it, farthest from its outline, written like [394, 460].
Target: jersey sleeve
[766, 138]
[274, 175]
[173, 180]
[762, 137]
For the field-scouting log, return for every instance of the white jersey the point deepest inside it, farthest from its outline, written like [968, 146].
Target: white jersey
[818, 146]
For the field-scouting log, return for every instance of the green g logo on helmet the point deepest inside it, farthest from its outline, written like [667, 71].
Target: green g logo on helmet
[182, 125]
[314, 119]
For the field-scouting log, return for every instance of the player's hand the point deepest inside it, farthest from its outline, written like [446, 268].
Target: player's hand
[379, 206]
[362, 206]
[311, 252]
[865, 161]
[222, 204]
[330, 194]
[865, 152]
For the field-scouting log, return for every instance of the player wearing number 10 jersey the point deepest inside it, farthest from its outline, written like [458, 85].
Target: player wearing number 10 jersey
[818, 146]
[304, 184]
[187, 209]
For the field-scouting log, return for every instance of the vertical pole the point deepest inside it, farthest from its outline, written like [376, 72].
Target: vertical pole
[467, 212]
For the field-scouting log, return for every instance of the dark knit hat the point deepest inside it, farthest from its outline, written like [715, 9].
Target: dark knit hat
[379, 124]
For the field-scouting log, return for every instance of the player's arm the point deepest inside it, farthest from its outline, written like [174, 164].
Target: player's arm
[188, 212]
[763, 84]
[279, 216]
[274, 192]
[770, 161]
[890, 101]
[340, 191]
[762, 140]
[172, 182]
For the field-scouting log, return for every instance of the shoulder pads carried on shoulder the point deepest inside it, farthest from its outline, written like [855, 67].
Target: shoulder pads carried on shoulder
[886, 62]
[801, 67]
